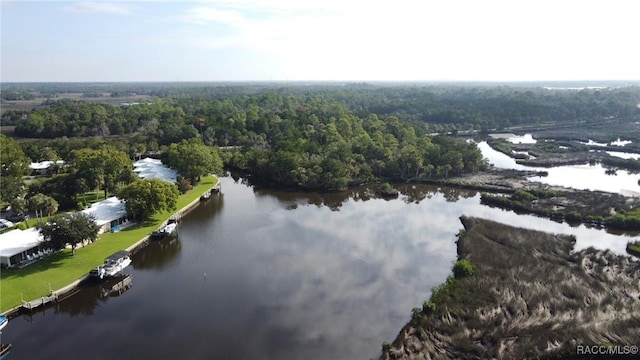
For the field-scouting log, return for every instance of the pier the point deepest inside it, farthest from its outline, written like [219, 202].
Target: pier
[123, 284]
[30, 305]
[214, 190]
[62, 293]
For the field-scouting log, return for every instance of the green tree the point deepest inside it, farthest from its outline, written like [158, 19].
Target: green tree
[72, 228]
[104, 167]
[193, 159]
[463, 268]
[50, 205]
[14, 164]
[19, 205]
[143, 198]
[37, 203]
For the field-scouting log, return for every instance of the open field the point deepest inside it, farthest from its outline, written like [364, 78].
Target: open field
[62, 268]
[40, 102]
[530, 297]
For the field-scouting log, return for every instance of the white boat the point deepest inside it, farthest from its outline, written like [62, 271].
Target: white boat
[3, 321]
[165, 231]
[113, 265]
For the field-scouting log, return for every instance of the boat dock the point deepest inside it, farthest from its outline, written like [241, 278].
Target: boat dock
[72, 288]
[122, 284]
[30, 305]
[214, 190]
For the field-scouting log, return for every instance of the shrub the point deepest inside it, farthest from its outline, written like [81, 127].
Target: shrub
[428, 307]
[523, 195]
[184, 185]
[573, 216]
[463, 268]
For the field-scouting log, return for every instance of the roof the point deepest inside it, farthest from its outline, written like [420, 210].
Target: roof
[149, 168]
[44, 164]
[118, 255]
[107, 210]
[16, 241]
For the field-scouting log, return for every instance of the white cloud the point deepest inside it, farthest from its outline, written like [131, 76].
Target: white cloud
[100, 8]
[399, 40]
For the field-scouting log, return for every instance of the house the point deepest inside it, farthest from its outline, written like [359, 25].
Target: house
[19, 246]
[149, 168]
[44, 167]
[110, 214]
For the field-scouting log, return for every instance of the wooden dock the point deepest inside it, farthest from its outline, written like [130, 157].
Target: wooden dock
[123, 284]
[214, 190]
[30, 305]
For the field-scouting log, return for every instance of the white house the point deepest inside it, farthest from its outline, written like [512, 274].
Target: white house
[110, 214]
[43, 167]
[149, 168]
[18, 246]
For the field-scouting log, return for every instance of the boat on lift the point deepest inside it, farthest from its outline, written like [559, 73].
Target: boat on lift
[113, 265]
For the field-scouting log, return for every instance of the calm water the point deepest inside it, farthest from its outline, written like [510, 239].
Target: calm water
[583, 177]
[259, 274]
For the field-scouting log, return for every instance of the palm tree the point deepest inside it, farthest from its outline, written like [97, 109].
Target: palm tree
[36, 204]
[50, 205]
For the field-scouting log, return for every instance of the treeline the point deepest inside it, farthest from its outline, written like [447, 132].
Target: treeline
[442, 107]
[326, 136]
[17, 94]
[311, 141]
[70, 118]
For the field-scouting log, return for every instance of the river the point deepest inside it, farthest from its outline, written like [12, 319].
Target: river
[582, 177]
[265, 274]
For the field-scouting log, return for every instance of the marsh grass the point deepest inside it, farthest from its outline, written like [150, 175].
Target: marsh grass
[529, 297]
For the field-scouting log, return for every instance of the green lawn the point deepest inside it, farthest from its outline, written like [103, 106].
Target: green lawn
[62, 268]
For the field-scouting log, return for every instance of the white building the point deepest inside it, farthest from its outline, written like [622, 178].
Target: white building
[43, 167]
[110, 214]
[18, 246]
[149, 168]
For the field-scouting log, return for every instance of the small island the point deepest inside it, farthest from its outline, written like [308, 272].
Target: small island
[387, 191]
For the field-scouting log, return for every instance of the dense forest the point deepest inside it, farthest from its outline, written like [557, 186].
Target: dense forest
[321, 136]
[444, 107]
[305, 141]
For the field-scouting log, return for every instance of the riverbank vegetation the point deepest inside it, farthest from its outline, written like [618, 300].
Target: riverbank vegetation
[633, 248]
[589, 207]
[62, 269]
[527, 291]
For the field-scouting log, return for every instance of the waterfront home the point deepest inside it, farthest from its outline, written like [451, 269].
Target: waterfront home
[20, 247]
[149, 168]
[110, 214]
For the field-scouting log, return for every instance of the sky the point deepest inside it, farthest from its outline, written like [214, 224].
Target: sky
[319, 40]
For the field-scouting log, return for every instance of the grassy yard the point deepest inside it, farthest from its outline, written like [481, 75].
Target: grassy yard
[62, 268]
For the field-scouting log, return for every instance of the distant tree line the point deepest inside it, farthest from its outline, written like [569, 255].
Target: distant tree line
[320, 136]
[305, 141]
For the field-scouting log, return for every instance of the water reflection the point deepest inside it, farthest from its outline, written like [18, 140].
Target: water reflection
[582, 177]
[262, 274]
[158, 254]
